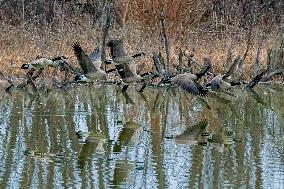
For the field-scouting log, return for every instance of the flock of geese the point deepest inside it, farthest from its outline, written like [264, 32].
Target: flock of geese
[124, 64]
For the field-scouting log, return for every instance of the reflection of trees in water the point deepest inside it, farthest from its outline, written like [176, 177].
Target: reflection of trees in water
[137, 144]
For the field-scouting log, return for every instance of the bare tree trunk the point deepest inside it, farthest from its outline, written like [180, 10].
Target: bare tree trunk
[248, 43]
[256, 66]
[228, 61]
[166, 41]
[106, 27]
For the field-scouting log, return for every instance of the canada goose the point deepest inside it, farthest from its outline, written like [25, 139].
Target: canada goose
[124, 64]
[39, 63]
[218, 83]
[188, 82]
[90, 67]
[270, 75]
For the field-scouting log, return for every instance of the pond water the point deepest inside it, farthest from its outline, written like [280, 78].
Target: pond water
[98, 137]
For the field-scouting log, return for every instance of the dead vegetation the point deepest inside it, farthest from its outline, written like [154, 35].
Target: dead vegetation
[220, 30]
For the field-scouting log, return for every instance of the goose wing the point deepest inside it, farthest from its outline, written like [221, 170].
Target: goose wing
[84, 60]
[125, 70]
[132, 67]
[186, 84]
[215, 83]
[95, 56]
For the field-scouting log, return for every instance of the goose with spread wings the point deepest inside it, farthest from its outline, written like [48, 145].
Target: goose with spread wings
[91, 65]
[124, 64]
[188, 82]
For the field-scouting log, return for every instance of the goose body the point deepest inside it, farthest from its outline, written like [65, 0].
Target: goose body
[40, 64]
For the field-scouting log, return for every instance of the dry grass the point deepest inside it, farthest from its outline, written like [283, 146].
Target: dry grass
[23, 45]
[188, 27]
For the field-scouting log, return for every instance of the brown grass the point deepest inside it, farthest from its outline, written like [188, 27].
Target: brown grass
[191, 26]
[23, 45]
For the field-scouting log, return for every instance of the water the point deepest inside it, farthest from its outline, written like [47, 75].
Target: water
[97, 137]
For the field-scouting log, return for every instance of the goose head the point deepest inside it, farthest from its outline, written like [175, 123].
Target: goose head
[27, 66]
